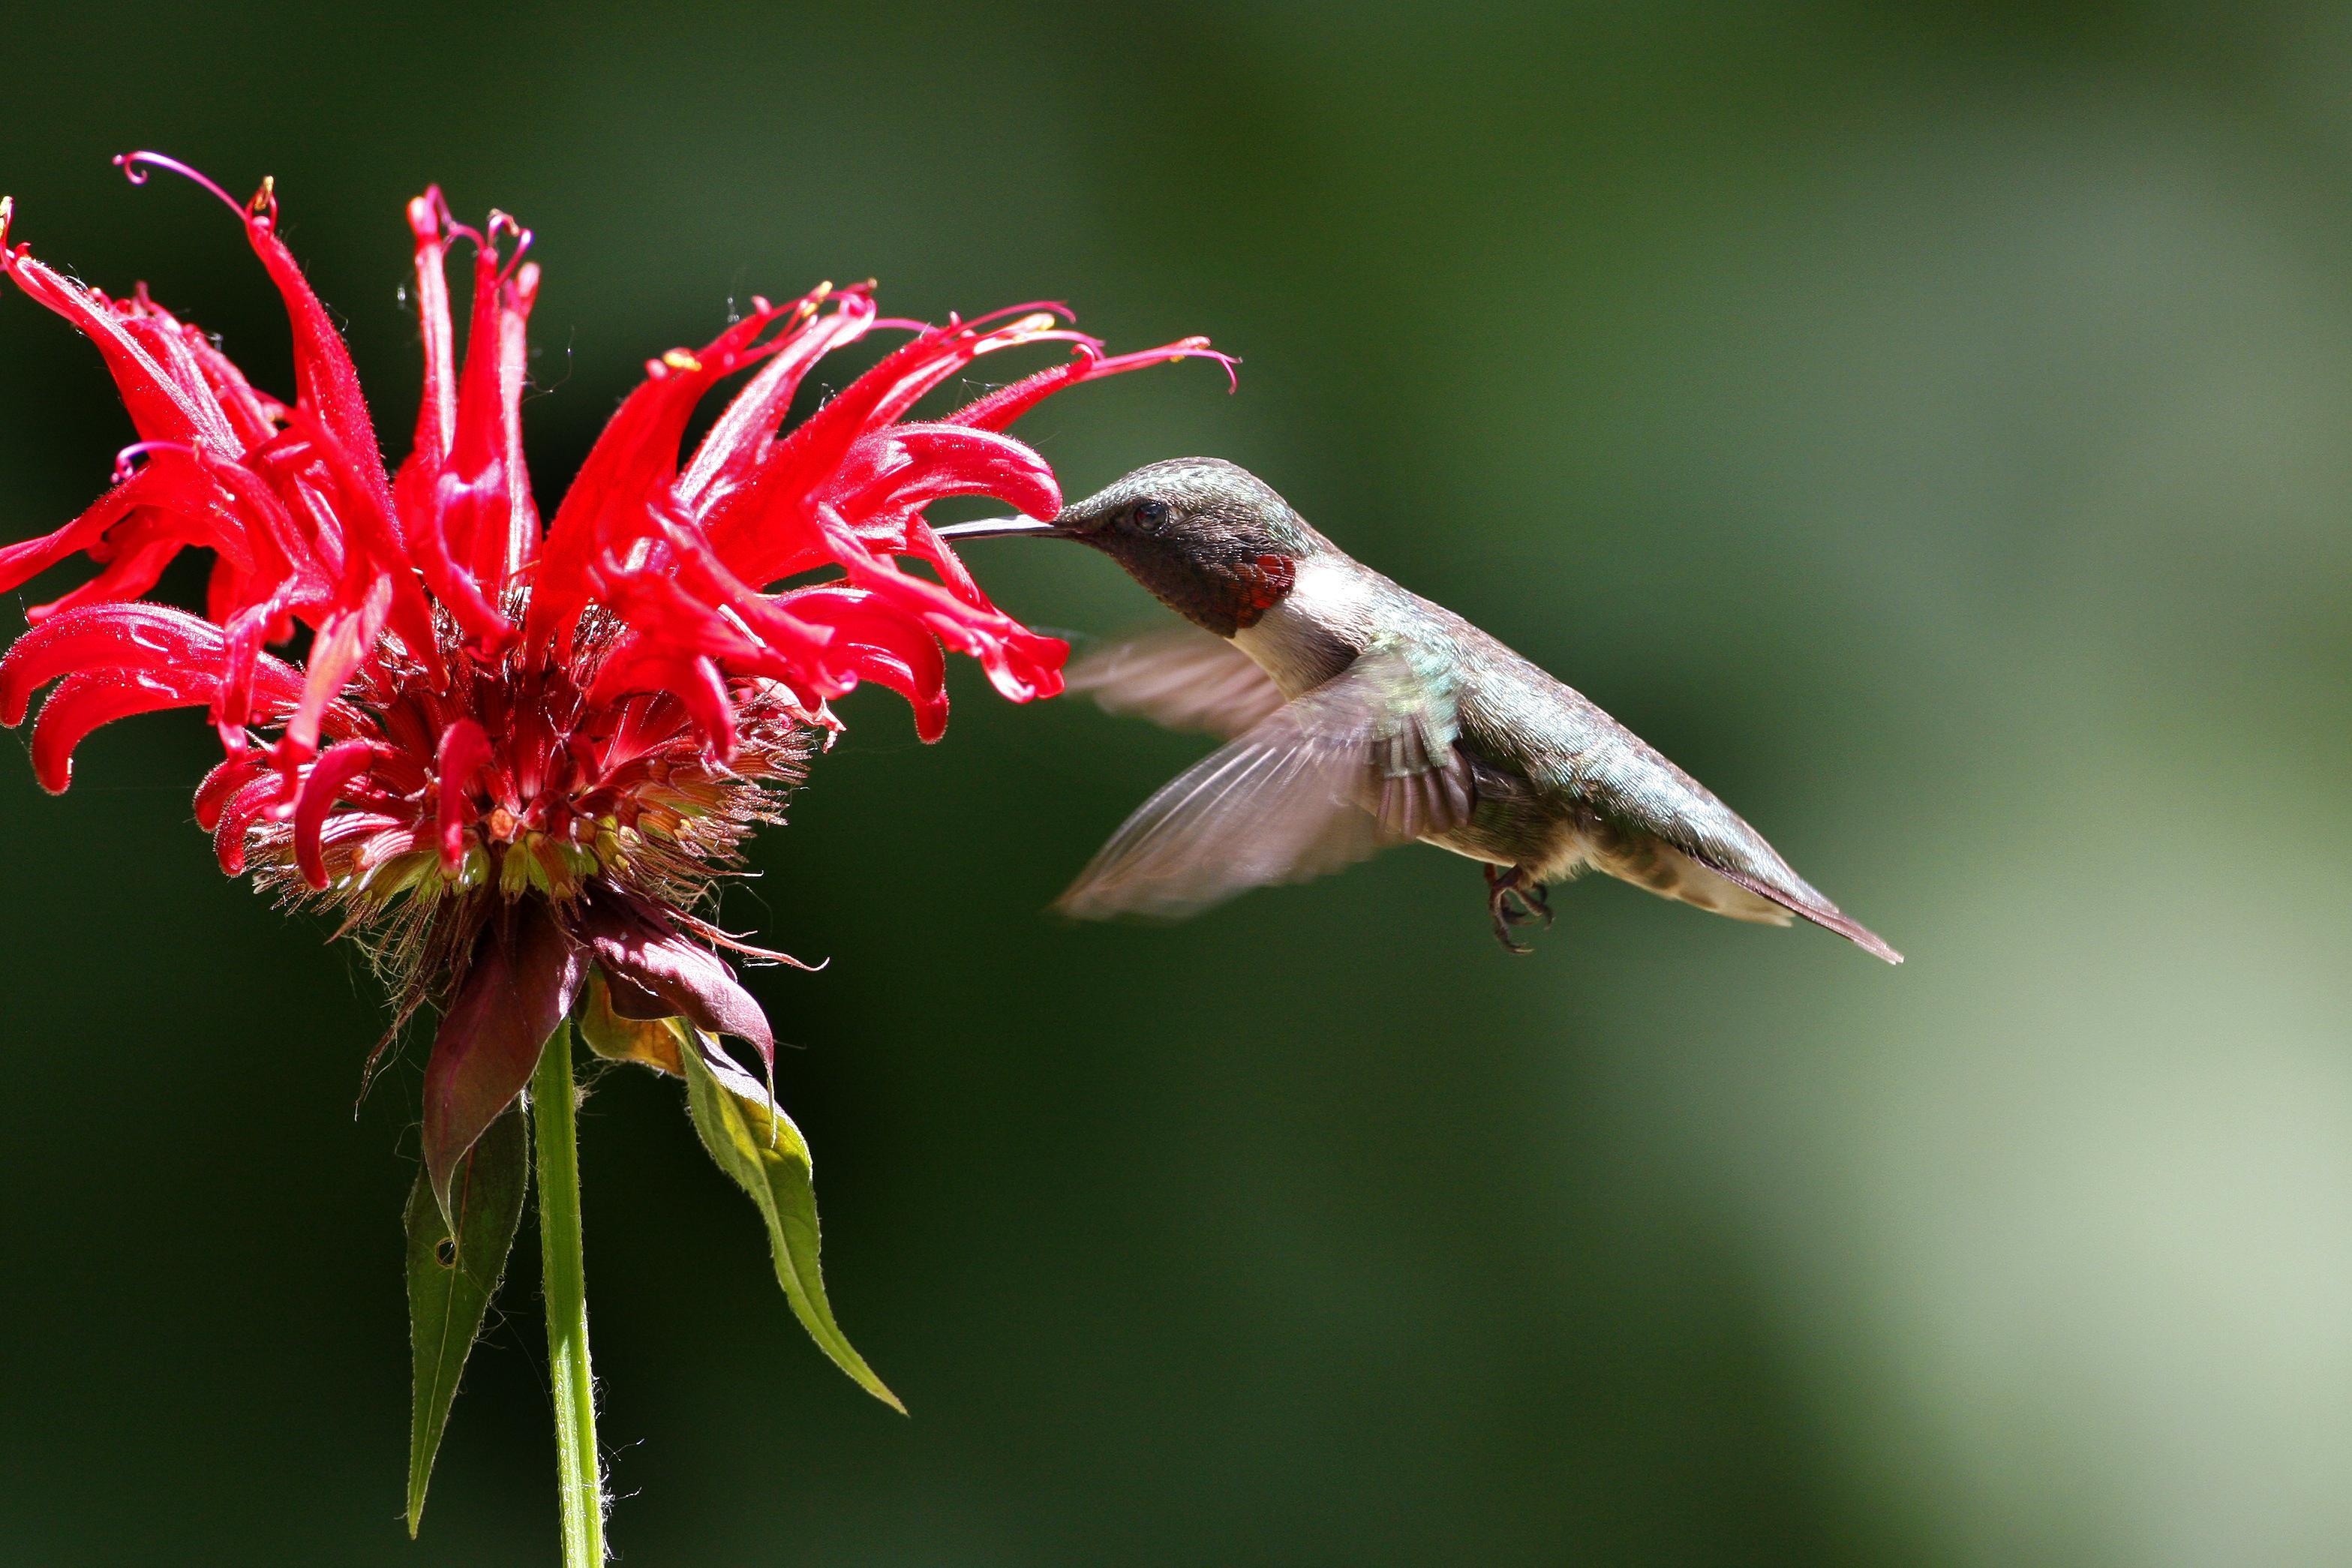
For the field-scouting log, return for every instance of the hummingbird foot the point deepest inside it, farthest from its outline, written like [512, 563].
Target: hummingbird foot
[1513, 897]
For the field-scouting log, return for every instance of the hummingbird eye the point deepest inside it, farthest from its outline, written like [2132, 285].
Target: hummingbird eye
[1150, 513]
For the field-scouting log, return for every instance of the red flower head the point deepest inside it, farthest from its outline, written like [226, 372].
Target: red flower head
[515, 756]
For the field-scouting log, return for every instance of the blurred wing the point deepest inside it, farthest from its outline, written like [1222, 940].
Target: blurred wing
[1181, 678]
[1349, 767]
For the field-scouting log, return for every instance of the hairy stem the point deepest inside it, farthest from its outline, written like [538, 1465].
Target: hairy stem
[579, 1479]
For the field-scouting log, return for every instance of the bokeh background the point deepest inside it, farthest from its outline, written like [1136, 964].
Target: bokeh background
[1930, 424]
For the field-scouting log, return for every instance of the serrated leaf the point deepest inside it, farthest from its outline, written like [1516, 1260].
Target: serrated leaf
[757, 1145]
[452, 1279]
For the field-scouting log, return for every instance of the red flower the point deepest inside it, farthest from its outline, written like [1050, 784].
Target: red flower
[515, 756]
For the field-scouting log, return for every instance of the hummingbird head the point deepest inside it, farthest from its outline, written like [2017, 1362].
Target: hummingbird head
[1210, 540]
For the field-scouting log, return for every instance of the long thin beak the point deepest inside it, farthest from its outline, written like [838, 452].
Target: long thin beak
[998, 527]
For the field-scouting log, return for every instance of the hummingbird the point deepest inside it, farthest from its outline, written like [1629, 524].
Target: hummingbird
[1357, 715]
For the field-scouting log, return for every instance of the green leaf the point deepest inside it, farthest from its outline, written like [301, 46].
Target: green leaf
[451, 1280]
[757, 1145]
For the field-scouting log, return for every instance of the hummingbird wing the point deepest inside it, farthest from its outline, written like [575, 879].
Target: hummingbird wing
[1181, 678]
[1363, 761]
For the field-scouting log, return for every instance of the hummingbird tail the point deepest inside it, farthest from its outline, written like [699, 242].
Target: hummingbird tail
[1816, 908]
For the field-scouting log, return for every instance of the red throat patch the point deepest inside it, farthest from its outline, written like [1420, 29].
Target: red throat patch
[1263, 583]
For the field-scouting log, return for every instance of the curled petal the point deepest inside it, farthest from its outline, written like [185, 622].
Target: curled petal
[443, 523]
[463, 498]
[437, 413]
[337, 767]
[696, 681]
[142, 549]
[892, 650]
[1020, 664]
[113, 637]
[162, 406]
[244, 807]
[325, 382]
[224, 781]
[84, 702]
[524, 976]
[345, 638]
[155, 484]
[360, 524]
[912, 466]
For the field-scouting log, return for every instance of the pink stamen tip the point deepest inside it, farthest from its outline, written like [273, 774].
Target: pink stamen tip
[505, 222]
[1021, 334]
[1035, 307]
[136, 167]
[1233, 366]
[1182, 348]
[123, 469]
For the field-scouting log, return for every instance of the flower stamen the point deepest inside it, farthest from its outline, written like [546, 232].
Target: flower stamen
[136, 167]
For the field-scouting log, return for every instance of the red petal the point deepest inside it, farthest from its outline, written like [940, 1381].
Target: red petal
[104, 636]
[213, 795]
[344, 638]
[464, 749]
[247, 804]
[464, 498]
[152, 485]
[915, 465]
[145, 545]
[437, 413]
[336, 768]
[761, 531]
[731, 451]
[885, 647]
[374, 560]
[327, 386]
[162, 408]
[84, 702]
[1020, 664]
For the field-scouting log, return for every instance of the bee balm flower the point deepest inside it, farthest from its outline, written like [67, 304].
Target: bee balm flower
[516, 756]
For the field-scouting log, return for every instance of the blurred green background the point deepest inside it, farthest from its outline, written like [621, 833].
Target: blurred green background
[1926, 422]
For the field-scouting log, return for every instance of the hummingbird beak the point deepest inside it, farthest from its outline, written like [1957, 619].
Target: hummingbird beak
[1001, 528]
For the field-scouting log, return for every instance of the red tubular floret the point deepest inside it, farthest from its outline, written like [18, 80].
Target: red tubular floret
[337, 768]
[116, 638]
[85, 701]
[245, 807]
[464, 749]
[213, 795]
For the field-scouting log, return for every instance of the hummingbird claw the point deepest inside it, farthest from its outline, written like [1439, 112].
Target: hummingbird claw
[1513, 897]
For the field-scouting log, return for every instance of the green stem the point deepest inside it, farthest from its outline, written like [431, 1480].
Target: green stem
[579, 1481]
